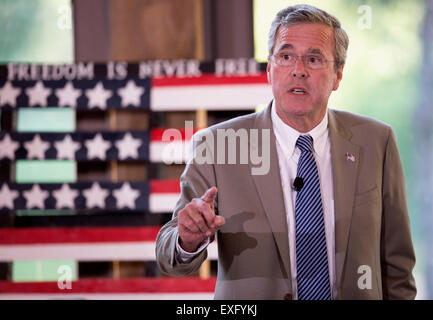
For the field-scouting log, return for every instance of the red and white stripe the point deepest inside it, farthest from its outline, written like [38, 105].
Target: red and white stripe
[210, 92]
[82, 244]
[163, 195]
[142, 288]
[95, 244]
[173, 151]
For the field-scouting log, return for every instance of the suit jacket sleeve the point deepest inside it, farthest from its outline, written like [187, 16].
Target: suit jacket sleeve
[397, 253]
[194, 182]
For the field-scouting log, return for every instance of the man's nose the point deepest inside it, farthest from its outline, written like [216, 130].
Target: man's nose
[299, 70]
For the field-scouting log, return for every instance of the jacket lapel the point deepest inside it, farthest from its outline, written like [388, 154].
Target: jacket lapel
[345, 159]
[270, 191]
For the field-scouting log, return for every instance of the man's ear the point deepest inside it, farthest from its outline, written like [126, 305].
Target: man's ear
[268, 70]
[339, 76]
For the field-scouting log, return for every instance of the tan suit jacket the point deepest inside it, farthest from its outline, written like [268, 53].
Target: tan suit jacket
[371, 219]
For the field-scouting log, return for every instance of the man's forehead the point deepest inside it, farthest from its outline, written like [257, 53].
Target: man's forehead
[306, 36]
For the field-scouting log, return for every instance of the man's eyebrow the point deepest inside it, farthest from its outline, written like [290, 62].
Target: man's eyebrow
[310, 50]
[315, 51]
[285, 46]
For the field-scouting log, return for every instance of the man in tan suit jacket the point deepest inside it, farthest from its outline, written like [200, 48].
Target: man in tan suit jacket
[373, 249]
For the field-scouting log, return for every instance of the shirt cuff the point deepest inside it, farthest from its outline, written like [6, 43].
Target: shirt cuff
[186, 257]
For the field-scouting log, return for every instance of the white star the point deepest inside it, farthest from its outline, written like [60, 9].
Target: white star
[9, 94]
[66, 148]
[8, 147]
[38, 94]
[35, 197]
[95, 196]
[7, 197]
[98, 96]
[68, 95]
[97, 147]
[36, 148]
[131, 94]
[65, 197]
[126, 196]
[128, 146]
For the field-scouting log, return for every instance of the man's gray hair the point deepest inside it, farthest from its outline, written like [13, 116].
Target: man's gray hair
[303, 13]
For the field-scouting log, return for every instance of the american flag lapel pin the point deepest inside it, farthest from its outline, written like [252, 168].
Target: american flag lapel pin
[350, 157]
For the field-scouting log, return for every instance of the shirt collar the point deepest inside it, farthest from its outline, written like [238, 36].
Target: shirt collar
[287, 136]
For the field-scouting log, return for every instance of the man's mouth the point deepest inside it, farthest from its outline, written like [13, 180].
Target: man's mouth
[298, 91]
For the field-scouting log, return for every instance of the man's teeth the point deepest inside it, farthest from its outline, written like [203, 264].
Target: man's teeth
[298, 91]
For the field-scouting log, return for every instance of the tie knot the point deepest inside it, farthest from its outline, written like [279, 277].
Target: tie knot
[305, 143]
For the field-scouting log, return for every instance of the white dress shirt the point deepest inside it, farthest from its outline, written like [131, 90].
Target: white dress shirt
[288, 157]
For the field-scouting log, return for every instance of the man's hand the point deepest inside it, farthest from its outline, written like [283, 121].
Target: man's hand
[197, 221]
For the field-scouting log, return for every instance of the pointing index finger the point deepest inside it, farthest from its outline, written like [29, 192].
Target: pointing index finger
[209, 195]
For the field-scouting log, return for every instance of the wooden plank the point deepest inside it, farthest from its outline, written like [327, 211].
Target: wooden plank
[91, 30]
[173, 25]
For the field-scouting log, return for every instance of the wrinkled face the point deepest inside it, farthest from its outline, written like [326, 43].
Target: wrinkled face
[298, 90]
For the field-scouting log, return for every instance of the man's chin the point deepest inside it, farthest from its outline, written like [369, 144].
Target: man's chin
[297, 111]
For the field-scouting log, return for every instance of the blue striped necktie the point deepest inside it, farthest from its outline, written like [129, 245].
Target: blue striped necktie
[311, 254]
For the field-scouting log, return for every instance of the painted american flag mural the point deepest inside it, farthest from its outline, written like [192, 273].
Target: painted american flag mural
[41, 249]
